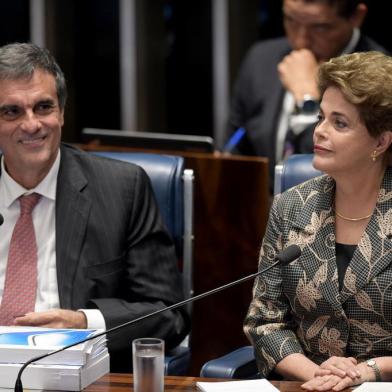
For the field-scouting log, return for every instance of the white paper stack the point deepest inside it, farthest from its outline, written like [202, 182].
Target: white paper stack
[72, 369]
[237, 386]
[56, 377]
[374, 387]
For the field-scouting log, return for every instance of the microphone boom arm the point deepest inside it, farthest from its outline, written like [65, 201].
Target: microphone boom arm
[285, 257]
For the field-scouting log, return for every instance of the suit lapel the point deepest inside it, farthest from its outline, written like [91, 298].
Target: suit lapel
[269, 117]
[72, 212]
[272, 104]
[316, 235]
[374, 251]
[314, 231]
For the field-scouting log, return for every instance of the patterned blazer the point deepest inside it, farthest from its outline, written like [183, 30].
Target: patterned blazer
[298, 308]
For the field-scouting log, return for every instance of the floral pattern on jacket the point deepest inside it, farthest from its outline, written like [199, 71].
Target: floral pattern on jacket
[298, 308]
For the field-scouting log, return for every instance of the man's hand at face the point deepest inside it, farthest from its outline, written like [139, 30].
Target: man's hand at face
[298, 73]
[56, 318]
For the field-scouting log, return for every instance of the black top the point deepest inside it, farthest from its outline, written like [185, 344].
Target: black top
[344, 254]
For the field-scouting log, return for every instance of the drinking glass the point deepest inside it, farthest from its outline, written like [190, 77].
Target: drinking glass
[148, 354]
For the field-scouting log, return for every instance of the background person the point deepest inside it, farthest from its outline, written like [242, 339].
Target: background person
[275, 96]
[325, 318]
[102, 255]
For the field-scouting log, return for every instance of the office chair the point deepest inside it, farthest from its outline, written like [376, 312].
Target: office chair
[241, 363]
[173, 189]
[296, 169]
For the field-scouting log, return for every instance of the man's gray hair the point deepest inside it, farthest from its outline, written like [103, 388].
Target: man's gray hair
[20, 60]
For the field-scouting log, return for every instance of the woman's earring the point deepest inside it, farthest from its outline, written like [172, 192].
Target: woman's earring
[374, 155]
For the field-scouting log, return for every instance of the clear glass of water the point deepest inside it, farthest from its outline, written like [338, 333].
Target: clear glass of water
[148, 354]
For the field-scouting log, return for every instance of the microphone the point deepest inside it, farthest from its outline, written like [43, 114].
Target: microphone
[285, 257]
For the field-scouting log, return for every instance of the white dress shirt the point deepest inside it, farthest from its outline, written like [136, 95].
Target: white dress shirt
[44, 221]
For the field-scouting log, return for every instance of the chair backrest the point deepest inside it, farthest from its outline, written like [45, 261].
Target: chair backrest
[295, 169]
[173, 190]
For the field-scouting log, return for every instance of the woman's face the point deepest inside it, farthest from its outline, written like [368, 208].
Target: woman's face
[342, 143]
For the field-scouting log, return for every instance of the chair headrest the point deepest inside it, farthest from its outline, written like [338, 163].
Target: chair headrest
[296, 169]
[165, 173]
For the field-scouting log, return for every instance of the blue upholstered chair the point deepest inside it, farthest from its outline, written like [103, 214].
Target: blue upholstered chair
[241, 362]
[173, 189]
[296, 169]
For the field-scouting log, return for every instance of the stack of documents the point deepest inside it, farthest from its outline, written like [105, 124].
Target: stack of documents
[237, 386]
[72, 369]
[374, 387]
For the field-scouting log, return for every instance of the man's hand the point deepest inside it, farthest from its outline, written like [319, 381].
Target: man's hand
[56, 318]
[298, 73]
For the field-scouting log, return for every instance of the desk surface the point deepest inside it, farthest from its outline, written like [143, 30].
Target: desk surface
[123, 383]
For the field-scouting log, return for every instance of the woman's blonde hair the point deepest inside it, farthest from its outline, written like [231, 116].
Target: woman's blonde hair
[365, 80]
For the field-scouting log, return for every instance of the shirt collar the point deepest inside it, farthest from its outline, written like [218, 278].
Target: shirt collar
[10, 190]
[353, 41]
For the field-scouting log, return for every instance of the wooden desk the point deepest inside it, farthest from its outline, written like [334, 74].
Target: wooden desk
[231, 204]
[124, 383]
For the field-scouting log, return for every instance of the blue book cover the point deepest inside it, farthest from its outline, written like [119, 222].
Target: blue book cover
[19, 344]
[45, 338]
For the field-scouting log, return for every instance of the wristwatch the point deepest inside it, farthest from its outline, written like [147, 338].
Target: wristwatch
[308, 105]
[373, 364]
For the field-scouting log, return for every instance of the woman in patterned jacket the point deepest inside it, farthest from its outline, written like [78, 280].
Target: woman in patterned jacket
[326, 318]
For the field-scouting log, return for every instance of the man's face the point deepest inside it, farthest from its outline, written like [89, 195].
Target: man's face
[30, 124]
[317, 27]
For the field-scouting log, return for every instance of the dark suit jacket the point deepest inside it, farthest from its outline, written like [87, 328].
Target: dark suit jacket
[258, 95]
[113, 252]
[299, 308]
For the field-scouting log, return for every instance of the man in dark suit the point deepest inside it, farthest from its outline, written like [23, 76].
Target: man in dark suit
[103, 256]
[276, 89]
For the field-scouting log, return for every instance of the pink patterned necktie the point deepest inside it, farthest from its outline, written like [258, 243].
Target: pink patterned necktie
[20, 286]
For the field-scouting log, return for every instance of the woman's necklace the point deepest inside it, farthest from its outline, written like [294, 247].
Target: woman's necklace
[353, 219]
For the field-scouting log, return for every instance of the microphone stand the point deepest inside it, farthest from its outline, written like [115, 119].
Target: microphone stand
[18, 383]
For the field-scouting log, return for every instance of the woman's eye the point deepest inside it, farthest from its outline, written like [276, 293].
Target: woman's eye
[340, 124]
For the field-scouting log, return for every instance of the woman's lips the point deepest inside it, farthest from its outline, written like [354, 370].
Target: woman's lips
[320, 148]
